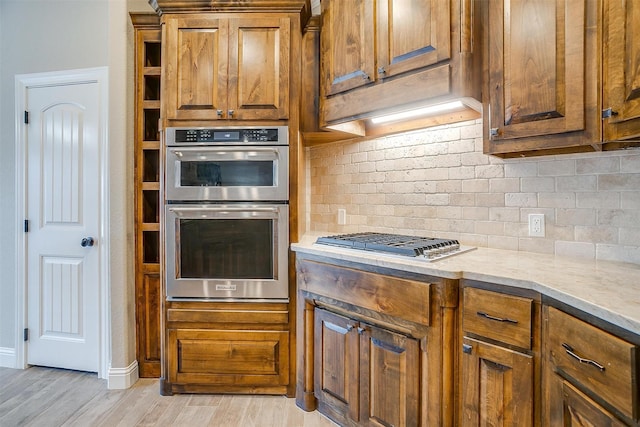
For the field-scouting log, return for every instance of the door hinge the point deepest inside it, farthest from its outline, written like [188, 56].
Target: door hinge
[25, 334]
[26, 225]
[26, 117]
[608, 113]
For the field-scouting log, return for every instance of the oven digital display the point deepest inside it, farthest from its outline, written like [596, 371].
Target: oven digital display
[226, 136]
[203, 136]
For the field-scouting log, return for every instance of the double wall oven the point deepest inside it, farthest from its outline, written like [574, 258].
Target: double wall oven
[227, 213]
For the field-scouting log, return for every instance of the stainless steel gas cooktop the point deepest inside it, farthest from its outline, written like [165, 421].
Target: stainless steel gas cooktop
[425, 248]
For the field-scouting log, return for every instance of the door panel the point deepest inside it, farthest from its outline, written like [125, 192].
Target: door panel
[336, 362]
[390, 389]
[497, 386]
[259, 68]
[347, 45]
[622, 69]
[536, 67]
[412, 34]
[63, 208]
[195, 74]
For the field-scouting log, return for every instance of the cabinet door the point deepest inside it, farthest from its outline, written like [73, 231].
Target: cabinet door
[412, 34]
[574, 409]
[347, 45]
[389, 378]
[259, 68]
[497, 385]
[195, 67]
[541, 75]
[336, 363]
[622, 69]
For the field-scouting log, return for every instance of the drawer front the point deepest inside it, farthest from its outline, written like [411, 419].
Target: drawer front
[599, 361]
[402, 298]
[229, 358]
[497, 316]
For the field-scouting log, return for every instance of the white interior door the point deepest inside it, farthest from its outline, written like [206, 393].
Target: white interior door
[63, 208]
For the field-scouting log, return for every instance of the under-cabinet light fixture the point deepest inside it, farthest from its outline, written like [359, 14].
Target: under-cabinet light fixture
[439, 108]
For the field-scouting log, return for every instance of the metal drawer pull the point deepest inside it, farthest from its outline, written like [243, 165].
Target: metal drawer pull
[497, 319]
[570, 352]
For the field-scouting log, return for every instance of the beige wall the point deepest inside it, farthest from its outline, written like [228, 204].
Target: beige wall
[41, 36]
[438, 183]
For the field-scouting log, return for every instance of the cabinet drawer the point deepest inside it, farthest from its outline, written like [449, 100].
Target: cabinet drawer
[496, 316]
[597, 360]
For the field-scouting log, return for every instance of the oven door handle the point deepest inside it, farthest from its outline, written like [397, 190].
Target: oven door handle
[227, 153]
[220, 212]
[223, 209]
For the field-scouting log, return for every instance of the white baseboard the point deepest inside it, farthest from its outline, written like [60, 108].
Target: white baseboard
[7, 357]
[121, 378]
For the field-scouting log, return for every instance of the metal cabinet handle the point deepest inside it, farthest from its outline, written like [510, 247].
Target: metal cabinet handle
[349, 328]
[381, 70]
[366, 77]
[497, 319]
[230, 112]
[591, 362]
[361, 331]
[219, 113]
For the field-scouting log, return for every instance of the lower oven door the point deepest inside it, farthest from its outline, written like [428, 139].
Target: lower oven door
[227, 251]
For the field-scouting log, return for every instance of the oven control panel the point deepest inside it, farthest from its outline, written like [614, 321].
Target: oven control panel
[277, 135]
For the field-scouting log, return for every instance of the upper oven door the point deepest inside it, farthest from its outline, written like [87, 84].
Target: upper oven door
[227, 173]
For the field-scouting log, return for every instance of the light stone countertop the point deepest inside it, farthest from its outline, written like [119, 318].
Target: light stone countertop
[608, 290]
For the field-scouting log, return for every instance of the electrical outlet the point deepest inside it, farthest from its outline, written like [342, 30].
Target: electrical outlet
[536, 225]
[342, 216]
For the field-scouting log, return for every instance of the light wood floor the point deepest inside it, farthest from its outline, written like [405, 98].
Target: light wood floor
[54, 397]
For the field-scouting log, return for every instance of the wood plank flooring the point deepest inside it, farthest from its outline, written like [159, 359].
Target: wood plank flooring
[54, 397]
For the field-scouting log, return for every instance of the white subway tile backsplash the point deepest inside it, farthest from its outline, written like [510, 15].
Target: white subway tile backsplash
[557, 167]
[598, 165]
[630, 163]
[556, 200]
[537, 184]
[439, 183]
[621, 182]
[526, 200]
[576, 183]
[575, 217]
[575, 249]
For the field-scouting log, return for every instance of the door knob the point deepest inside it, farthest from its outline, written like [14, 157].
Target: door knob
[87, 241]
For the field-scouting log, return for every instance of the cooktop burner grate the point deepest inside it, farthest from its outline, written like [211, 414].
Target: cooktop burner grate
[397, 244]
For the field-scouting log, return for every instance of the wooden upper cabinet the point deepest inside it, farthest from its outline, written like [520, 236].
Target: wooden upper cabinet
[220, 67]
[258, 87]
[384, 56]
[347, 45]
[411, 34]
[621, 70]
[541, 77]
[195, 69]
[560, 75]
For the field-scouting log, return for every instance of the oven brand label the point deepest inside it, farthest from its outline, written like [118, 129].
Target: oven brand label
[225, 287]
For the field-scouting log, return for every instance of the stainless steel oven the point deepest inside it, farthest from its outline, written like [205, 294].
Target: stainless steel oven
[232, 252]
[226, 213]
[246, 164]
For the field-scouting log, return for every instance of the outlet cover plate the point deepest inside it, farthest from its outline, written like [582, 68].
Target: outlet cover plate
[536, 225]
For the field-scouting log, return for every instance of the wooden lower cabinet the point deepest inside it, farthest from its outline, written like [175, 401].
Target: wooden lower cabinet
[497, 385]
[365, 375]
[592, 374]
[226, 348]
[499, 359]
[578, 410]
[375, 346]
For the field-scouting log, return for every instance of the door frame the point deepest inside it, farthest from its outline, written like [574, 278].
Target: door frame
[23, 82]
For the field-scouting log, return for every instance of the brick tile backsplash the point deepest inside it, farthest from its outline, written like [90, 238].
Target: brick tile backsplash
[437, 182]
